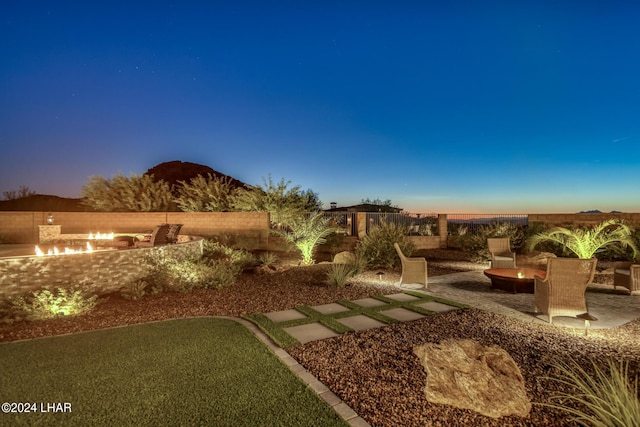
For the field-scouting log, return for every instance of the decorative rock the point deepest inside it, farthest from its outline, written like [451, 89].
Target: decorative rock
[468, 375]
[345, 257]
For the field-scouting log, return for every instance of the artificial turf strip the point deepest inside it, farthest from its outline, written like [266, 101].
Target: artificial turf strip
[275, 330]
[200, 371]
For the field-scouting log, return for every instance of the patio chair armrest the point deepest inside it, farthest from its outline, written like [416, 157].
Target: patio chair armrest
[624, 265]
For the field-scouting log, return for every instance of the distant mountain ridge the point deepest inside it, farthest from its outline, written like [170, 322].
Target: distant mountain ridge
[596, 211]
[175, 171]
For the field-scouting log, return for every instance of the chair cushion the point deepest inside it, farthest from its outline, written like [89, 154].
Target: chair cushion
[623, 271]
[503, 258]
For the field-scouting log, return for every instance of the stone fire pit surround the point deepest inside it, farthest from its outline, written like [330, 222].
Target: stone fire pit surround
[99, 272]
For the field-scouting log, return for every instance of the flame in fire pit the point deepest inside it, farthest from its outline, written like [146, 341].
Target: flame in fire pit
[101, 236]
[67, 251]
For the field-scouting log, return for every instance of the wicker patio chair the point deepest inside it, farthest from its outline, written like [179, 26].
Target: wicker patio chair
[172, 235]
[627, 275]
[501, 254]
[414, 270]
[562, 292]
[158, 237]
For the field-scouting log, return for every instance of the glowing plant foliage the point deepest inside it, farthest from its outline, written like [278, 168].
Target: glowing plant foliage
[585, 242]
[306, 233]
[610, 397]
[46, 304]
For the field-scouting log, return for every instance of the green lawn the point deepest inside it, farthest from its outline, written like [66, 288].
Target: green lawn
[181, 372]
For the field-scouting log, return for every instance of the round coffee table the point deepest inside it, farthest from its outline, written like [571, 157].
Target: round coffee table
[516, 280]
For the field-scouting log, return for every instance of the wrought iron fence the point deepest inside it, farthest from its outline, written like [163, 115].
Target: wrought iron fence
[344, 220]
[419, 224]
[423, 224]
[458, 224]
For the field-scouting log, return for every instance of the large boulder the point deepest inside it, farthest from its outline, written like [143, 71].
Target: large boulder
[468, 375]
[345, 257]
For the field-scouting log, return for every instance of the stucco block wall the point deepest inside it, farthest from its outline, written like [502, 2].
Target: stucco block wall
[98, 272]
[633, 219]
[22, 227]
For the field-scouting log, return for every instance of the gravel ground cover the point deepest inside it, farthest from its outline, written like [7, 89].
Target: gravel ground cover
[374, 371]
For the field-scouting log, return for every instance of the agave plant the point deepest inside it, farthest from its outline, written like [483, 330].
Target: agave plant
[306, 233]
[585, 242]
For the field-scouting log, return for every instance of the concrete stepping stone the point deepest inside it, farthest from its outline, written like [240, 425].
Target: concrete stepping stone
[330, 308]
[369, 302]
[437, 307]
[402, 314]
[310, 332]
[402, 297]
[283, 316]
[360, 322]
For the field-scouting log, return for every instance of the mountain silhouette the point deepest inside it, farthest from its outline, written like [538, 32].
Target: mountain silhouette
[174, 171]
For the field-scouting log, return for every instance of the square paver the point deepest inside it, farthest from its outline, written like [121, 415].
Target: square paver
[334, 307]
[369, 302]
[283, 316]
[437, 307]
[402, 314]
[360, 322]
[310, 332]
[402, 297]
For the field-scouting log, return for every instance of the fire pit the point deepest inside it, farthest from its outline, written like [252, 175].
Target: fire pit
[516, 280]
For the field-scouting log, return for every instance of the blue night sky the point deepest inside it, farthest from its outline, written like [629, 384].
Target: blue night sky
[447, 107]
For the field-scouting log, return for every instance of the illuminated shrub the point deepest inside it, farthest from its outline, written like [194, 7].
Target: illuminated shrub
[216, 251]
[46, 304]
[376, 248]
[184, 274]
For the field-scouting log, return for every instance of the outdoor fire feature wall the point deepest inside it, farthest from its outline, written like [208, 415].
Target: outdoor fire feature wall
[98, 272]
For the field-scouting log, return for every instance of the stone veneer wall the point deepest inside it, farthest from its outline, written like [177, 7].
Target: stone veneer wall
[99, 272]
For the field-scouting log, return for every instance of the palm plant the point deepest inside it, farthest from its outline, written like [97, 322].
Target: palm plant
[306, 233]
[585, 242]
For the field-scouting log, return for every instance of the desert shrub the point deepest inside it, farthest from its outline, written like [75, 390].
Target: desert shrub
[135, 193]
[46, 304]
[361, 263]
[21, 193]
[216, 251]
[376, 248]
[267, 258]
[428, 229]
[476, 243]
[609, 396]
[187, 273]
[282, 203]
[135, 289]
[210, 194]
[339, 274]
